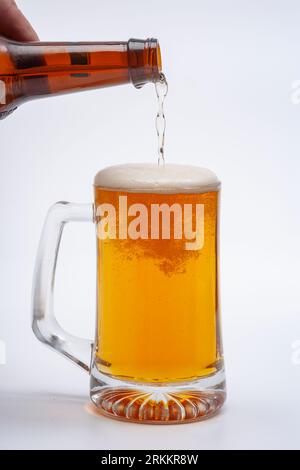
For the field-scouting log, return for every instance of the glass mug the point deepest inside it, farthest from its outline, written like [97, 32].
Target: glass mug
[157, 355]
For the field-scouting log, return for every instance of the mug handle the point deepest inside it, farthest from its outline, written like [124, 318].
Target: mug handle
[44, 324]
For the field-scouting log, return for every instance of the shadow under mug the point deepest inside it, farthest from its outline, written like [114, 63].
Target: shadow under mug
[157, 353]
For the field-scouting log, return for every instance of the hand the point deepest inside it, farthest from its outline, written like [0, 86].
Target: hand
[13, 24]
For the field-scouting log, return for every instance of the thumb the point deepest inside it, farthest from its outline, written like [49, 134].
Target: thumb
[13, 23]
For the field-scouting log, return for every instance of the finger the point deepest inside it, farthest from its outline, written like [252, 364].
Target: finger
[13, 23]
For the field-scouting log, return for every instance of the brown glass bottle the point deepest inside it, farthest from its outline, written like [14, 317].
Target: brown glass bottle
[34, 70]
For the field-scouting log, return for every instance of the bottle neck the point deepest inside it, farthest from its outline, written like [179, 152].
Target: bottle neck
[144, 60]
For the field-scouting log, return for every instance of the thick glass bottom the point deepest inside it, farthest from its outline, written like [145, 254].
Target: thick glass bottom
[166, 403]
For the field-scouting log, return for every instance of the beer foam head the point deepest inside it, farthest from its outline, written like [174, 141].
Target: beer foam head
[152, 178]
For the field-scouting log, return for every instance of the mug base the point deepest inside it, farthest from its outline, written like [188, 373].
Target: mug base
[165, 403]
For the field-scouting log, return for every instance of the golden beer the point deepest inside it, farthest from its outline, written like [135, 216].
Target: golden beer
[157, 353]
[157, 308]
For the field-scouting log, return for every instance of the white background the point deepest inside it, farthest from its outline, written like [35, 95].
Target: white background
[230, 66]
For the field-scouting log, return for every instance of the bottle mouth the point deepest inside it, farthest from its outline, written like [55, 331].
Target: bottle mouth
[144, 58]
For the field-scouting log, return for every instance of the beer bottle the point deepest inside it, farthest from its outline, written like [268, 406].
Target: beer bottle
[39, 69]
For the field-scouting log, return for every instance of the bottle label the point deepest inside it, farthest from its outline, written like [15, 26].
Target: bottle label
[2, 92]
